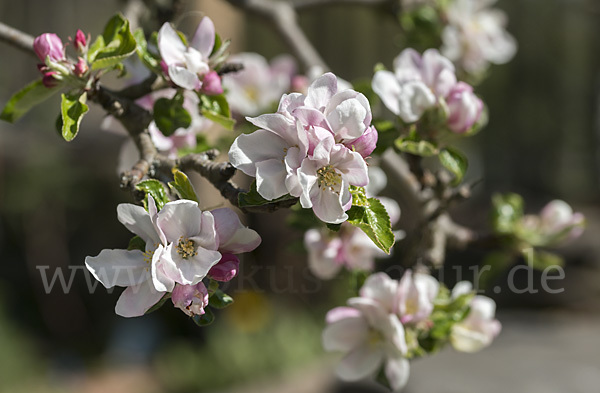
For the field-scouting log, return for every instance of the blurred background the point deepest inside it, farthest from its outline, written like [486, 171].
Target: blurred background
[57, 206]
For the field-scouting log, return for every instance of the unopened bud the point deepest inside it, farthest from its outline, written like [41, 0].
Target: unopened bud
[81, 68]
[49, 44]
[80, 41]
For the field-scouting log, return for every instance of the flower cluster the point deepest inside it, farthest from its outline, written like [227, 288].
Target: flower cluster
[420, 83]
[314, 148]
[257, 87]
[555, 224]
[56, 67]
[183, 245]
[388, 322]
[476, 36]
[190, 66]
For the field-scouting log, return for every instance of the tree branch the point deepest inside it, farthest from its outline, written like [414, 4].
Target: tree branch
[17, 38]
[282, 15]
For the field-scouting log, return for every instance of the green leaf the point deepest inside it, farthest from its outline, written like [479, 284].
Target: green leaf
[160, 303]
[142, 51]
[170, 115]
[182, 186]
[118, 43]
[542, 260]
[72, 108]
[95, 48]
[253, 198]
[506, 212]
[334, 227]
[155, 188]
[205, 319]
[418, 148]
[25, 99]
[220, 299]
[374, 220]
[455, 162]
[136, 243]
[216, 108]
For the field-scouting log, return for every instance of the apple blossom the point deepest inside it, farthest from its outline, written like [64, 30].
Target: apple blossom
[416, 292]
[475, 35]
[191, 299]
[556, 223]
[408, 100]
[464, 108]
[258, 86]
[479, 328]
[187, 65]
[49, 45]
[371, 338]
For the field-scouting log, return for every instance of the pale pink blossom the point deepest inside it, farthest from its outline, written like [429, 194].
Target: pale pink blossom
[464, 108]
[416, 293]
[187, 65]
[191, 299]
[49, 45]
[556, 223]
[480, 327]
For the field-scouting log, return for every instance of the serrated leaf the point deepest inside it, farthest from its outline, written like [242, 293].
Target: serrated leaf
[205, 319]
[22, 101]
[418, 148]
[72, 109]
[119, 43]
[455, 162]
[155, 188]
[170, 115]
[375, 222]
[142, 51]
[220, 299]
[253, 198]
[160, 303]
[182, 186]
[136, 243]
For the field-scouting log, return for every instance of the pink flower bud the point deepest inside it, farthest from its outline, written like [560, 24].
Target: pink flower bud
[226, 269]
[49, 44]
[80, 41]
[49, 79]
[164, 67]
[191, 299]
[464, 108]
[80, 68]
[211, 84]
[365, 144]
[300, 84]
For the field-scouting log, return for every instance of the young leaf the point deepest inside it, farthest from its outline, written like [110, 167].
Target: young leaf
[25, 99]
[205, 319]
[216, 108]
[170, 115]
[119, 43]
[507, 210]
[155, 188]
[72, 109]
[220, 299]
[418, 148]
[253, 198]
[136, 243]
[455, 162]
[182, 186]
[142, 51]
[374, 220]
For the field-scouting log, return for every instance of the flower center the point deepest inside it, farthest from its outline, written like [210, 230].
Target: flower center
[328, 177]
[375, 338]
[186, 248]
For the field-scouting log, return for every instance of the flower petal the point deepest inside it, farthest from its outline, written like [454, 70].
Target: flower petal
[120, 268]
[321, 91]
[360, 363]
[261, 145]
[387, 87]
[170, 46]
[397, 371]
[136, 300]
[204, 37]
[137, 220]
[183, 77]
[345, 334]
[270, 178]
[382, 288]
[180, 218]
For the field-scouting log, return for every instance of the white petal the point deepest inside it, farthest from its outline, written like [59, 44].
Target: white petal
[345, 334]
[135, 301]
[137, 220]
[381, 287]
[234, 238]
[360, 363]
[170, 46]
[397, 371]
[270, 178]
[351, 164]
[347, 119]
[204, 38]
[387, 87]
[321, 91]
[183, 77]
[248, 149]
[120, 268]
[328, 207]
[278, 124]
[195, 268]
[180, 218]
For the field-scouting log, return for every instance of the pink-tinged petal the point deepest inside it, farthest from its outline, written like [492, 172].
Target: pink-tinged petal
[226, 269]
[345, 334]
[164, 271]
[136, 300]
[120, 268]
[382, 288]
[318, 136]
[323, 254]
[311, 117]
[211, 84]
[347, 119]
[277, 124]
[195, 268]
[270, 179]
[170, 46]
[183, 77]
[191, 299]
[244, 240]
[161, 142]
[226, 224]
[360, 363]
[351, 165]
[180, 218]
[438, 72]
[328, 207]
[372, 310]
[234, 237]
[340, 313]
[137, 220]
[204, 37]
[386, 86]
[207, 238]
[48, 45]
[293, 161]
[321, 91]
[261, 145]
[397, 371]
[365, 144]
[408, 59]
[307, 176]
[289, 102]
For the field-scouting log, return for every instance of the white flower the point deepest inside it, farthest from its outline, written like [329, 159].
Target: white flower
[416, 293]
[479, 328]
[556, 223]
